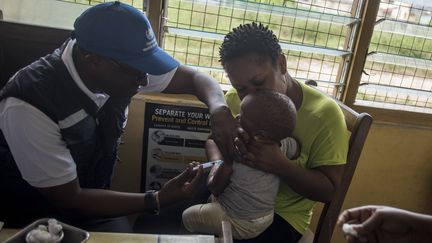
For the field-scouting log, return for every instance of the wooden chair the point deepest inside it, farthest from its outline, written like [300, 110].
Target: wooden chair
[358, 125]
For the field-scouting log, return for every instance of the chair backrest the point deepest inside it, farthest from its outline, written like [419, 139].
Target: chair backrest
[358, 125]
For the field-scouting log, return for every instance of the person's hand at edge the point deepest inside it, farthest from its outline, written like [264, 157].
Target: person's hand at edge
[385, 224]
[181, 187]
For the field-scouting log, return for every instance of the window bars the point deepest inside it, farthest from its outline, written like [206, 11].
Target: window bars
[398, 70]
[315, 35]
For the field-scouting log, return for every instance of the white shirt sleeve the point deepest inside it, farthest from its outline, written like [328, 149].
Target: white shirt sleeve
[36, 145]
[158, 83]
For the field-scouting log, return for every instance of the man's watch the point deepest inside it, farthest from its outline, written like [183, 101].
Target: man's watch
[151, 200]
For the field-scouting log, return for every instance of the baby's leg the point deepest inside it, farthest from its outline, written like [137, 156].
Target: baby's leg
[204, 218]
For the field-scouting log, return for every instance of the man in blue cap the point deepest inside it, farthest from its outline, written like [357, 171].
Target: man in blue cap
[61, 118]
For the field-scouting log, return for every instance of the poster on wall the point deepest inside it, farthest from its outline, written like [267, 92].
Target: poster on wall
[173, 137]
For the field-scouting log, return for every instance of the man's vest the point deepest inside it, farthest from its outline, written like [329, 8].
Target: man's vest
[47, 85]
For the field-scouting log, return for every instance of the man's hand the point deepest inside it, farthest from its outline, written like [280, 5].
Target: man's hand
[181, 187]
[224, 130]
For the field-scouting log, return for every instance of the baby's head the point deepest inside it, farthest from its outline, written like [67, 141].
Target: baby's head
[268, 114]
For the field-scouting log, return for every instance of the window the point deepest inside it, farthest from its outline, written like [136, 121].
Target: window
[316, 36]
[398, 70]
[322, 41]
[330, 41]
[55, 13]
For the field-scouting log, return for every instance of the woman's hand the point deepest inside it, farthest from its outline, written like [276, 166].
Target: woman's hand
[263, 154]
[240, 143]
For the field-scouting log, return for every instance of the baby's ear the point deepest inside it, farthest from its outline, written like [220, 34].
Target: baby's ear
[262, 134]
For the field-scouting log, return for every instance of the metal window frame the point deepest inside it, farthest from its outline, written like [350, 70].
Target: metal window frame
[381, 115]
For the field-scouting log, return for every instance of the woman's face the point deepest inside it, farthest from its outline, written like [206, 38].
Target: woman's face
[250, 73]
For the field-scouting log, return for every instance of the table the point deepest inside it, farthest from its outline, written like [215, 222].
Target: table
[99, 237]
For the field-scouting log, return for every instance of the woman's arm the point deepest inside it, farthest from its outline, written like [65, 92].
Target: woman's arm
[317, 184]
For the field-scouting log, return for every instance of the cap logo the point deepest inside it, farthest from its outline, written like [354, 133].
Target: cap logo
[149, 34]
[151, 40]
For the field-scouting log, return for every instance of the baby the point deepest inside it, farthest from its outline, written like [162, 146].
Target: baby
[245, 196]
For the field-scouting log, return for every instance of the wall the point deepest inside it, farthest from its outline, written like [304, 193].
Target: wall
[42, 12]
[395, 169]
[24, 35]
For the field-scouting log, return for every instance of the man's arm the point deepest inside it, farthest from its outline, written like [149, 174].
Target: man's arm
[45, 163]
[188, 81]
[220, 174]
[74, 200]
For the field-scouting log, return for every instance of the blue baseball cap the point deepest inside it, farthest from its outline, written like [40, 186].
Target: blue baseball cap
[121, 32]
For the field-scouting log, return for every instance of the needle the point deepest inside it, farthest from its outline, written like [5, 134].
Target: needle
[208, 164]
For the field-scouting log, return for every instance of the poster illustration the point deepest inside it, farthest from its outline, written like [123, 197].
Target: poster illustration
[173, 137]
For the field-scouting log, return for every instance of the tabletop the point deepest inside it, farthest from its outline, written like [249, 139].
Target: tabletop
[98, 237]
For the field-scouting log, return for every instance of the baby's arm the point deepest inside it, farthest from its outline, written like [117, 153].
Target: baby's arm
[220, 174]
